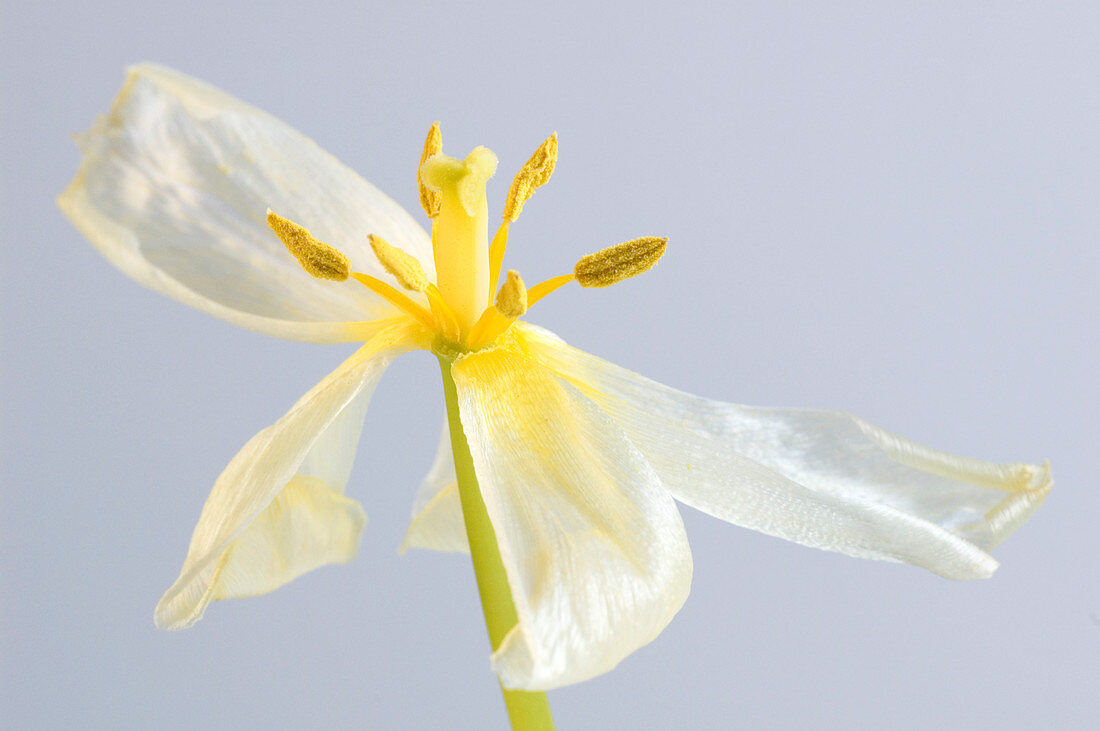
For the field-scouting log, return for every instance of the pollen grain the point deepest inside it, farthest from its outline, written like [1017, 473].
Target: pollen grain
[534, 173]
[316, 257]
[512, 297]
[404, 267]
[622, 261]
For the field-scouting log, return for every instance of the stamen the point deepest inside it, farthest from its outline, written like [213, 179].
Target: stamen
[512, 297]
[404, 268]
[430, 200]
[622, 261]
[534, 173]
[395, 298]
[316, 257]
[511, 303]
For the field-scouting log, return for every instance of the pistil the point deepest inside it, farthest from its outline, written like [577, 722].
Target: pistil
[460, 238]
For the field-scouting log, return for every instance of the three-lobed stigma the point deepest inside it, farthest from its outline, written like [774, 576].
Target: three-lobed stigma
[458, 307]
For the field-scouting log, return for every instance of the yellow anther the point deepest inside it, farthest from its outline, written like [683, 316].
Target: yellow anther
[512, 297]
[622, 261]
[404, 268]
[535, 172]
[316, 257]
[433, 145]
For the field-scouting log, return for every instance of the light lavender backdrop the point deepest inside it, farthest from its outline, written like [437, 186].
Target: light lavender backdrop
[890, 208]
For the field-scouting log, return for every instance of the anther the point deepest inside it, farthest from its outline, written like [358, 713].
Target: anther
[622, 261]
[512, 297]
[404, 268]
[316, 257]
[430, 200]
[534, 173]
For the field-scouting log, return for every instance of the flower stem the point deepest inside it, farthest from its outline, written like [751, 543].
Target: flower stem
[527, 711]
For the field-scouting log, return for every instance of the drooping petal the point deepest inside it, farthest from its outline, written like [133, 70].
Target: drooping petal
[278, 510]
[820, 478]
[437, 522]
[592, 544]
[174, 188]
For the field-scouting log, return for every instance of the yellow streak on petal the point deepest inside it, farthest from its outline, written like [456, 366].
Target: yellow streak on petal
[622, 261]
[534, 173]
[316, 257]
[512, 297]
[433, 145]
[404, 267]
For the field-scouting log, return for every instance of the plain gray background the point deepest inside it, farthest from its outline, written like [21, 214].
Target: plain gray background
[890, 208]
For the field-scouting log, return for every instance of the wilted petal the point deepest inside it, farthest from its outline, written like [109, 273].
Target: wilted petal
[278, 509]
[174, 189]
[437, 522]
[819, 478]
[593, 545]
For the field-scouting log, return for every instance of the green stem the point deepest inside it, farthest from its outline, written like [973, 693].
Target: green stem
[526, 711]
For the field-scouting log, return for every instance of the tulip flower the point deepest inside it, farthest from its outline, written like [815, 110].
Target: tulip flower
[559, 472]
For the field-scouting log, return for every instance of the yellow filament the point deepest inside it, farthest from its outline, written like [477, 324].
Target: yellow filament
[433, 145]
[512, 297]
[622, 261]
[542, 289]
[496, 255]
[534, 173]
[490, 325]
[397, 299]
[404, 268]
[444, 315]
[494, 320]
[316, 257]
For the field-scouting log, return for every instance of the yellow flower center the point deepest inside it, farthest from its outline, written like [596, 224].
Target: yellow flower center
[461, 310]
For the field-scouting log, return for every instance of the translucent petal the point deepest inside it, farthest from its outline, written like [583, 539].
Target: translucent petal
[819, 478]
[278, 509]
[174, 188]
[593, 545]
[437, 522]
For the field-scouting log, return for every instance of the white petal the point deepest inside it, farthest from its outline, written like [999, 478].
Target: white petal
[819, 478]
[593, 545]
[174, 188]
[437, 522]
[278, 509]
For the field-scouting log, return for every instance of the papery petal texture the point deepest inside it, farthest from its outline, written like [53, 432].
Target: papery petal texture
[820, 478]
[593, 545]
[437, 523]
[174, 187]
[279, 510]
